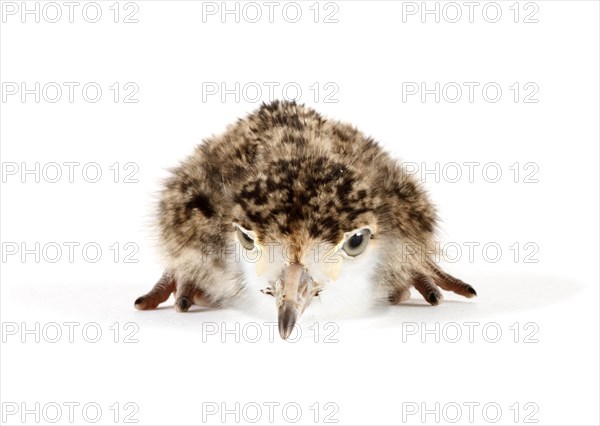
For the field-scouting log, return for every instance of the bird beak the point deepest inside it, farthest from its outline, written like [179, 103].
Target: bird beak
[293, 293]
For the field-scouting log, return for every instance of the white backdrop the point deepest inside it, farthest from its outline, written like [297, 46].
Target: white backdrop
[494, 105]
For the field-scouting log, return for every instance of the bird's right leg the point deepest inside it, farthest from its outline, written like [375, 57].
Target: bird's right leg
[159, 293]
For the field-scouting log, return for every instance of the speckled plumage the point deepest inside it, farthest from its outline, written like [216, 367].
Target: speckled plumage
[292, 178]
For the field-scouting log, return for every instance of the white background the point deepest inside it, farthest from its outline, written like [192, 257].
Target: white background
[372, 369]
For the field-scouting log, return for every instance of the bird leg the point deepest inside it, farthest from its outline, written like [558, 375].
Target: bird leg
[450, 283]
[159, 293]
[426, 286]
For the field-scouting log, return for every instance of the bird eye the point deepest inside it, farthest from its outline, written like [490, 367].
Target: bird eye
[246, 241]
[357, 242]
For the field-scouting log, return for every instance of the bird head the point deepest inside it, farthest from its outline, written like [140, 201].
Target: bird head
[304, 225]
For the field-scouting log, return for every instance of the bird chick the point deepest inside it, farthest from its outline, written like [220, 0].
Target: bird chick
[289, 205]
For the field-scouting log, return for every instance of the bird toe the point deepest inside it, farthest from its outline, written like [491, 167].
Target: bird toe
[435, 298]
[141, 303]
[183, 304]
[471, 291]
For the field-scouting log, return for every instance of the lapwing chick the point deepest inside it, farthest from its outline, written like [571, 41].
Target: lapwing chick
[300, 211]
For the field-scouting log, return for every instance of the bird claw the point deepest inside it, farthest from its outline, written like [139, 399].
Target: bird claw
[269, 290]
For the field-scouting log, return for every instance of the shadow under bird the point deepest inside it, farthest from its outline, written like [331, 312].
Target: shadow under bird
[304, 210]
